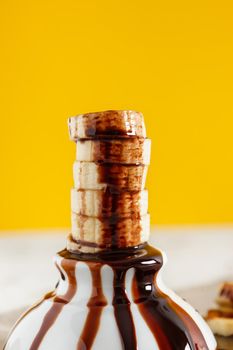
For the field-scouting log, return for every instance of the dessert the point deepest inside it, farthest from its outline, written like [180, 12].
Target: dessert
[221, 322]
[109, 201]
[220, 319]
[225, 297]
[110, 294]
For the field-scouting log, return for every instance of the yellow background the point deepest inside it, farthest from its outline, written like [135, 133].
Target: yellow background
[172, 60]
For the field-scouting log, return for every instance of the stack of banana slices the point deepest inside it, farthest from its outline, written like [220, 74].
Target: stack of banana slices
[220, 319]
[109, 201]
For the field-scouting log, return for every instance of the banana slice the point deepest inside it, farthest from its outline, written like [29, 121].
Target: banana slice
[220, 322]
[131, 151]
[225, 297]
[106, 203]
[73, 246]
[107, 123]
[92, 176]
[104, 233]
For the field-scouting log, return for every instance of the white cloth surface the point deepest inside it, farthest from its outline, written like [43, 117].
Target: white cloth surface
[199, 258]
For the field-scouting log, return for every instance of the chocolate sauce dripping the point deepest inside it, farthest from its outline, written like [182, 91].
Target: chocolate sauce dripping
[107, 173]
[108, 152]
[113, 203]
[122, 311]
[58, 303]
[112, 220]
[96, 304]
[168, 330]
[112, 224]
[116, 175]
[197, 337]
[172, 327]
[46, 297]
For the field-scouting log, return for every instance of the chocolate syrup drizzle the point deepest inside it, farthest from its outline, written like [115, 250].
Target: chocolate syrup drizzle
[119, 175]
[96, 304]
[113, 224]
[46, 297]
[163, 316]
[59, 302]
[171, 326]
[122, 311]
[199, 342]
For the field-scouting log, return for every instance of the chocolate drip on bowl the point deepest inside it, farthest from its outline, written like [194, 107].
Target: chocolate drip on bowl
[122, 312]
[172, 327]
[96, 304]
[58, 304]
[47, 296]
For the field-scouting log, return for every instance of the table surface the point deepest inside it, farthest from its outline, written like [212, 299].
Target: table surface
[199, 258]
